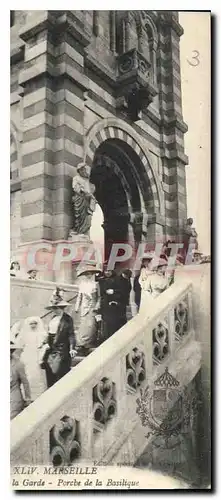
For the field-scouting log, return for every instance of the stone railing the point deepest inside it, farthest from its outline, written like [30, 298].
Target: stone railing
[90, 414]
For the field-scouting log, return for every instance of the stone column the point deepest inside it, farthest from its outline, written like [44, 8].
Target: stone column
[54, 83]
[113, 30]
[155, 231]
[69, 133]
[37, 81]
[172, 136]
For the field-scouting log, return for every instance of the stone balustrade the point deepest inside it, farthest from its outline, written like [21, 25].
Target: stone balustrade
[91, 414]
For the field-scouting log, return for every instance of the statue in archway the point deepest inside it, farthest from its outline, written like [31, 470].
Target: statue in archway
[83, 200]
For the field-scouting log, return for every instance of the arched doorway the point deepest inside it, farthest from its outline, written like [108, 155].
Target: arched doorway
[123, 192]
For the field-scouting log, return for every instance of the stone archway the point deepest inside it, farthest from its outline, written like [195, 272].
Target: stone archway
[126, 187]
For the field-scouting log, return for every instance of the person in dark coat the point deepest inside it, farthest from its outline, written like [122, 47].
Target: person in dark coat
[112, 312]
[125, 289]
[137, 289]
[61, 341]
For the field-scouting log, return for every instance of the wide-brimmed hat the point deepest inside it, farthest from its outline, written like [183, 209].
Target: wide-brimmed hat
[81, 165]
[162, 261]
[196, 252]
[62, 303]
[57, 300]
[88, 268]
[148, 256]
[31, 270]
[179, 259]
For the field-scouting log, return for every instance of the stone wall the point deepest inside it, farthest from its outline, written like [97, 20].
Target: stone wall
[15, 220]
[56, 112]
[200, 276]
[29, 298]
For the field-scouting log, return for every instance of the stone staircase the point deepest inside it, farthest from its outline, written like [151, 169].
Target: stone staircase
[134, 393]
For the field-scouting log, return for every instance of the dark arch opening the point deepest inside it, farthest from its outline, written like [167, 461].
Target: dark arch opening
[120, 181]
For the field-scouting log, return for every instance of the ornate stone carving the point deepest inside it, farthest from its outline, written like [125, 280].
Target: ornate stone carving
[104, 403]
[135, 366]
[64, 442]
[160, 343]
[154, 405]
[135, 90]
[171, 415]
[133, 60]
[181, 320]
[126, 64]
[83, 201]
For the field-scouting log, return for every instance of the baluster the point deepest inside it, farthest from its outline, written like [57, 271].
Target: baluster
[148, 352]
[190, 311]
[171, 330]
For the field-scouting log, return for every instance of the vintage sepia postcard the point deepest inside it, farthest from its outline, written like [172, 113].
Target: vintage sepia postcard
[110, 250]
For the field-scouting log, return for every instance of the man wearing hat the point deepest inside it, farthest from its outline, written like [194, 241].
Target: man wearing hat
[113, 310]
[197, 256]
[61, 340]
[32, 274]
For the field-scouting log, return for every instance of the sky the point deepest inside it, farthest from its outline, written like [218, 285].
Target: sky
[196, 113]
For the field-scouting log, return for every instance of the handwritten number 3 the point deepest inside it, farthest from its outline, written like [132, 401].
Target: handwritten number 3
[195, 58]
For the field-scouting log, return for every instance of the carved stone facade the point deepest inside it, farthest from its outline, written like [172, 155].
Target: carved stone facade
[64, 442]
[98, 84]
[104, 403]
[135, 366]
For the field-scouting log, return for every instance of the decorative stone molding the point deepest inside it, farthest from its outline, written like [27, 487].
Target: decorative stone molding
[104, 403]
[64, 442]
[160, 342]
[117, 128]
[135, 83]
[133, 61]
[135, 369]
[150, 27]
[181, 325]
[170, 19]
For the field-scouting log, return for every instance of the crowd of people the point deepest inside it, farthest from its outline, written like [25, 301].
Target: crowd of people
[40, 355]
[15, 271]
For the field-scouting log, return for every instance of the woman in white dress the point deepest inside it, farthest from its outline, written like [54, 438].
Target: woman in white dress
[87, 306]
[32, 336]
[153, 281]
